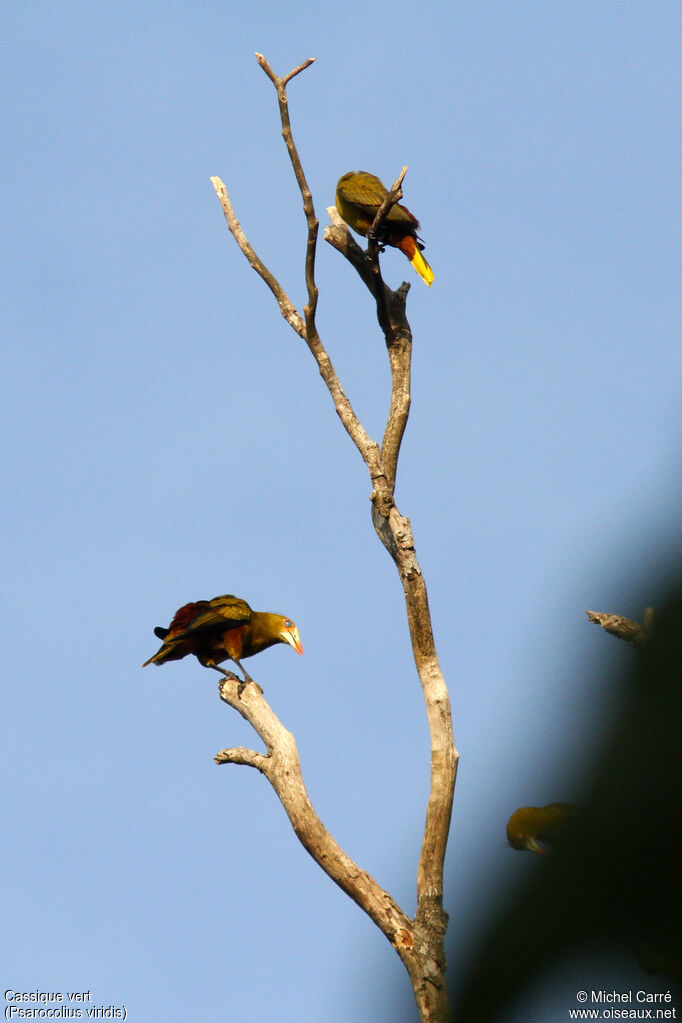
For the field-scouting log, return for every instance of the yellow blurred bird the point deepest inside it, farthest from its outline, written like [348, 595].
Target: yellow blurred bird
[546, 823]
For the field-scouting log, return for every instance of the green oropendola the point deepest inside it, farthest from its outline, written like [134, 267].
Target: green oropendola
[547, 823]
[220, 629]
[358, 198]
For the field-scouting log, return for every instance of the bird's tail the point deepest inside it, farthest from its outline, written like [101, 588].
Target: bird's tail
[410, 247]
[158, 657]
[168, 652]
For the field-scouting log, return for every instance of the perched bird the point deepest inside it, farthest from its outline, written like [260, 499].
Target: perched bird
[221, 629]
[358, 198]
[547, 823]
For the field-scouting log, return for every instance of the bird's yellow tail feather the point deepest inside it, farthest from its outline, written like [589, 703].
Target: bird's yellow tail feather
[413, 253]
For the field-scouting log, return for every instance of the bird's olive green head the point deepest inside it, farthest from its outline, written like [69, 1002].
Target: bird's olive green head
[522, 829]
[268, 628]
[289, 634]
[550, 823]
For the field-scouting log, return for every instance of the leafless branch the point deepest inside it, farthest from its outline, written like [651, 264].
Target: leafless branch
[308, 207]
[392, 319]
[396, 534]
[624, 628]
[393, 196]
[368, 448]
[282, 768]
[285, 304]
[287, 78]
[342, 240]
[419, 942]
[240, 755]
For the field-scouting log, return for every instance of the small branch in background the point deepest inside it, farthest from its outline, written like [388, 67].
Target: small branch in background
[394, 195]
[339, 237]
[306, 329]
[308, 207]
[624, 628]
[277, 82]
[392, 317]
[240, 755]
[286, 306]
[282, 767]
[373, 248]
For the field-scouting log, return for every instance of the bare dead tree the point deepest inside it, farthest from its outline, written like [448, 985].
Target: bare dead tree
[419, 941]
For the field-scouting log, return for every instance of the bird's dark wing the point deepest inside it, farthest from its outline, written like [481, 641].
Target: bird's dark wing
[364, 191]
[221, 613]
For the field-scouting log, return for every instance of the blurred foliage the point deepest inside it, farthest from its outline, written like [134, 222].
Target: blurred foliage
[614, 881]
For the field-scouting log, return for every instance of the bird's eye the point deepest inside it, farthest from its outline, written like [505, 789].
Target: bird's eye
[287, 623]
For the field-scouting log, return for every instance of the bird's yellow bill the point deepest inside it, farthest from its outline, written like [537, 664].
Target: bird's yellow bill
[291, 637]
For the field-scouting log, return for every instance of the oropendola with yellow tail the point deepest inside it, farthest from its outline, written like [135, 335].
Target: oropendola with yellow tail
[220, 629]
[358, 198]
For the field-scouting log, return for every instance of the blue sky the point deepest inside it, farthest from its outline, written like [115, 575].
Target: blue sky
[169, 439]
